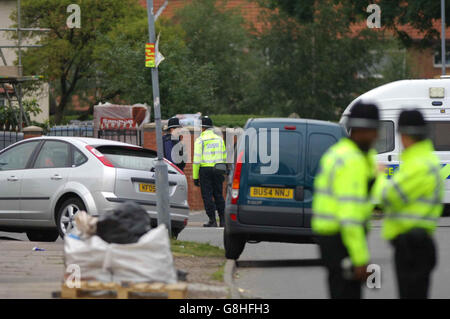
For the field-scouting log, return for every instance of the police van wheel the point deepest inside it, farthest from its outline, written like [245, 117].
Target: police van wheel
[234, 245]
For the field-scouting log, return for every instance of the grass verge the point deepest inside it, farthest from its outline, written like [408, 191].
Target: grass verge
[218, 275]
[189, 248]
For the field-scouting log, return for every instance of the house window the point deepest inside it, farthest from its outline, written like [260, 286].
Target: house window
[438, 59]
[2, 101]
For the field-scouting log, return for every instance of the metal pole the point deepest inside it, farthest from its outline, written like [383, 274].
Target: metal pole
[19, 85]
[161, 171]
[443, 55]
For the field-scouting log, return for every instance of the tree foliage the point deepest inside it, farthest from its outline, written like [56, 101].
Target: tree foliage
[185, 86]
[219, 36]
[316, 63]
[395, 15]
[67, 54]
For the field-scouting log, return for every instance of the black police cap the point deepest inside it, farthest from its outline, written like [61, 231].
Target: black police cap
[173, 122]
[364, 115]
[412, 122]
[206, 121]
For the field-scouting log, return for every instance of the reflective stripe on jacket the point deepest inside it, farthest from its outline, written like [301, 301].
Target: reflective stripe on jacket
[209, 149]
[413, 196]
[341, 202]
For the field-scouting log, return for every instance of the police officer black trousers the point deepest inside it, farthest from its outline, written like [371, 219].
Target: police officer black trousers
[415, 258]
[333, 252]
[211, 186]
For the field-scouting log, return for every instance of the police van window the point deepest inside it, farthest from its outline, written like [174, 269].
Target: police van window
[386, 137]
[440, 135]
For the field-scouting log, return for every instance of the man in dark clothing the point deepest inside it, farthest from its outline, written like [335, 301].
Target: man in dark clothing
[170, 141]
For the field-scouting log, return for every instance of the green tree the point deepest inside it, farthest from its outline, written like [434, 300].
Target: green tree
[185, 85]
[395, 14]
[219, 36]
[66, 57]
[316, 64]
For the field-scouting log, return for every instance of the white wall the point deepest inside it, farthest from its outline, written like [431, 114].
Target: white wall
[6, 8]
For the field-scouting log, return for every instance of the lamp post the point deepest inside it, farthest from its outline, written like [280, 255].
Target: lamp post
[161, 171]
[443, 55]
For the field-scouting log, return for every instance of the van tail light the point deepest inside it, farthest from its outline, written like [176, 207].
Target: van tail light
[99, 156]
[236, 179]
[290, 127]
[174, 166]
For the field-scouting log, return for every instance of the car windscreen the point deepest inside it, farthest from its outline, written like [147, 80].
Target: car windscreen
[129, 157]
[440, 135]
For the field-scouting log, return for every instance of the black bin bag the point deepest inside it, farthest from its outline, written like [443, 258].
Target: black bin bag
[124, 225]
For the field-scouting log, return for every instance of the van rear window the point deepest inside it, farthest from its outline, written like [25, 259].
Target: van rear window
[440, 135]
[289, 146]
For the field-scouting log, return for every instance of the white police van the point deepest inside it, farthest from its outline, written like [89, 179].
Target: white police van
[431, 97]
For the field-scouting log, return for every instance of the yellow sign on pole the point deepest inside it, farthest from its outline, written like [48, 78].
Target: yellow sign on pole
[150, 58]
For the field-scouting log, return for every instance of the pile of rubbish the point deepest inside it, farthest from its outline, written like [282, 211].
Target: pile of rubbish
[120, 246]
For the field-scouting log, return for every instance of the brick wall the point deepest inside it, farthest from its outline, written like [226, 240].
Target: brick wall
[423, 64]
[194, 196]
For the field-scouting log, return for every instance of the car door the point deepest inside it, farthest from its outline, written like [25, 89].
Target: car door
[43, 181]
[13, 164]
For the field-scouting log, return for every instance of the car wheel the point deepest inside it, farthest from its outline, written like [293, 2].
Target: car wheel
[234, 245]
[65, 217]
[43, 235]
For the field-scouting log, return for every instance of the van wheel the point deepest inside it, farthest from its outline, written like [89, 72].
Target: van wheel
[65, 216]
[234, 245]
[43, 235]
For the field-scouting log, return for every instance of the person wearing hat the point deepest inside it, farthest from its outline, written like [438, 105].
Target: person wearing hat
[341, 205]
[169, 142]
[412, 205]
[209, 150]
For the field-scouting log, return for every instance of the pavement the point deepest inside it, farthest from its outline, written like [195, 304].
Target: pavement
[26, 273]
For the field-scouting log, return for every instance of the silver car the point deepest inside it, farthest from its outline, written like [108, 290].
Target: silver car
[45, 181]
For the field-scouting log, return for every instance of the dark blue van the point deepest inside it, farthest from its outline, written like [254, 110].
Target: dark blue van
[269, 196]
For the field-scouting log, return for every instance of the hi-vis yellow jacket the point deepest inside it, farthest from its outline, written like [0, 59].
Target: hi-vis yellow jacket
[341, 202]
[209, 149]
[413, 196]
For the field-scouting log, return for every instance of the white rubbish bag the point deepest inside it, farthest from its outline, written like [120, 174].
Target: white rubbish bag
[89, 255]
[148, 260]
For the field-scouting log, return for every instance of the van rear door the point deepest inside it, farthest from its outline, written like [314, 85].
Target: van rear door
[274, 199]
[319, 139]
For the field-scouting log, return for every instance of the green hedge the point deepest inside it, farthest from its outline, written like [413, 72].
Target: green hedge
[233, 120]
